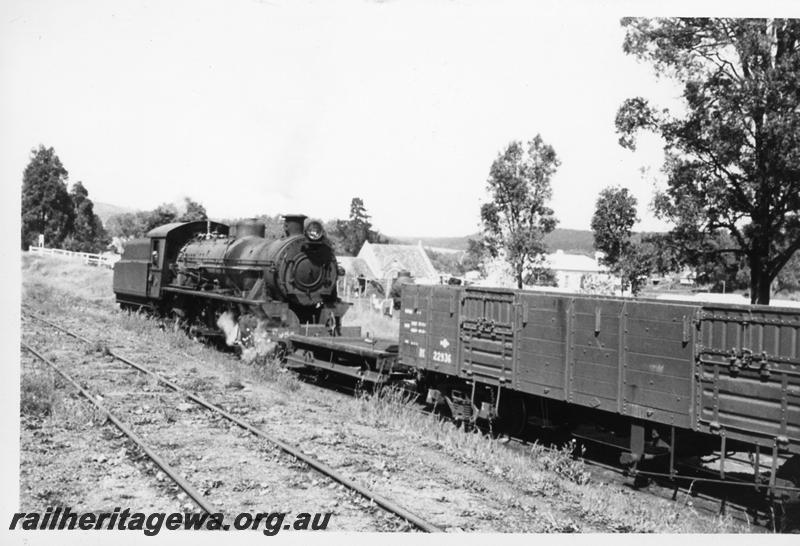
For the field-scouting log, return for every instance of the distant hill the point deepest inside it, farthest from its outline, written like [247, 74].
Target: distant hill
[571, 241]
[456, 243]
[575, 241]
[106, 210]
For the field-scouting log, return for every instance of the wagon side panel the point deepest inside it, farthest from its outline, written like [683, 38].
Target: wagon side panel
[442, 329]
[748, 375]
[594, 353]
[657, 366]
[429, 327]
[541, 344]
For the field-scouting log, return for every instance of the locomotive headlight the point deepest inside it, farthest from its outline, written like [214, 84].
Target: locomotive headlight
[314, 230]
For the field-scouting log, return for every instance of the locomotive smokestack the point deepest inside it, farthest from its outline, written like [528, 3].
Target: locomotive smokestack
[293, 223]
[250, 227]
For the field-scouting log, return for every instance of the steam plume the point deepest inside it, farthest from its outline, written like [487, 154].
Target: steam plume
[228, 325]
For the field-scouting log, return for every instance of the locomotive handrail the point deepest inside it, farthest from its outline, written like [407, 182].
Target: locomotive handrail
[221, 263]
[210, 295]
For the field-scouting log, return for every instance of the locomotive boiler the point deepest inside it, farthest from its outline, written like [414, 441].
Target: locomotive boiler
[199, 271]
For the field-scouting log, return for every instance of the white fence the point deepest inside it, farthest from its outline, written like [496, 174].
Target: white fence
[105, 260]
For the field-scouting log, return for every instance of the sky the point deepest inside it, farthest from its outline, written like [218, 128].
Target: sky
[276, 107]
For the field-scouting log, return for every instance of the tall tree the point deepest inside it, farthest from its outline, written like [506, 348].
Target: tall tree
[612, 224]
[357, 229]
[194, 211]
[517, 217]
[733, 159]
[46, 205]
[88, 234]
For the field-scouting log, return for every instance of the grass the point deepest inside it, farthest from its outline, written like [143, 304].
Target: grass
[68, 278]
[550, 473]
[47, 400]
[38, 396]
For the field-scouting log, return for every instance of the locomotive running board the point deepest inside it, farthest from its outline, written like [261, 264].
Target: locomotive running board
[354, 346]
[210, 295]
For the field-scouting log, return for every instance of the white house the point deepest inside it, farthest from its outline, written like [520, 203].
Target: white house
[574, 273]
[572, 269]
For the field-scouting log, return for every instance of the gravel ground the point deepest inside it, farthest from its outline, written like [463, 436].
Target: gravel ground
[233, 469]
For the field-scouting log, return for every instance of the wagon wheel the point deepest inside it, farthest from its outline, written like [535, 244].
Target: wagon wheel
[512, 414]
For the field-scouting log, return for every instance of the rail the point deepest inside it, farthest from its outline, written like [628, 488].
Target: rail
[193, 493]
[83, 257]
[384, 502]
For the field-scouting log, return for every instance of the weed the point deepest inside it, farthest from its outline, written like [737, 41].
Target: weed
[99, 347]
[287, 381]
[562, 462]
[38, 396]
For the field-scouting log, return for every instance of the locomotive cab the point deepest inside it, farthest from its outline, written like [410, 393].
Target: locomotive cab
[144, 268]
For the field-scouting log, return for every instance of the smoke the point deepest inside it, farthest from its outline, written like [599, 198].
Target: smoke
[228, 325]
[252, 335]
[258, 344]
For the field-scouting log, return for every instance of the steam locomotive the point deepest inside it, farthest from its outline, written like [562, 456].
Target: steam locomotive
[199, 271]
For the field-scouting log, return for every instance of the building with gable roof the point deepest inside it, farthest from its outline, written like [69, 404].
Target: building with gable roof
[382, 264]
[386, 261]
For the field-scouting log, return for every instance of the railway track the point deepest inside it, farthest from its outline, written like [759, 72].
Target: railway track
[179, 393]
[604, 472]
